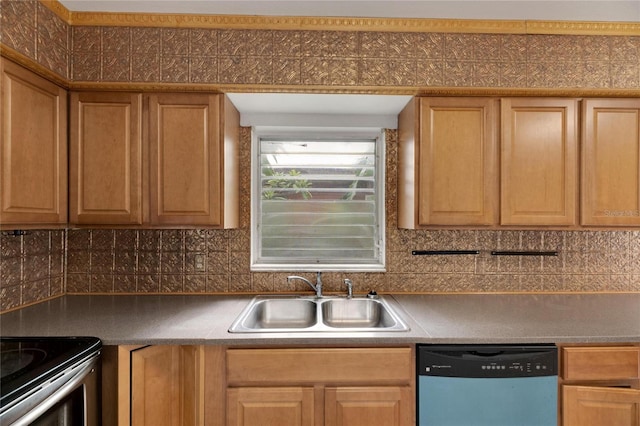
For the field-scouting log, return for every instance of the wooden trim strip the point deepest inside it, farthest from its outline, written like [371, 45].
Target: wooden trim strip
[362, 90]
[58, 8]
[342, 23]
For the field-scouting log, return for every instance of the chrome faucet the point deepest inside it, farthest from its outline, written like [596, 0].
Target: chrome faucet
[317, 287]
[349, 285]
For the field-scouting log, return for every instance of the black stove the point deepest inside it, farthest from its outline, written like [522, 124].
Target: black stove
[28, 362]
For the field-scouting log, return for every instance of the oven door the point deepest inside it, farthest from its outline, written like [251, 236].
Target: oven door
[70, 399]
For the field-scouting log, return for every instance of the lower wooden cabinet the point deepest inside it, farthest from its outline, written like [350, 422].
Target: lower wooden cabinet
[600, 385]
[597, 406]
[367, 406]
[217, 386]
[155, 386]
[343, 406]
[320, 386]
[271, 406]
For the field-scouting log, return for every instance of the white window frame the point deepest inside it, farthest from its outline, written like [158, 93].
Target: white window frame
[319, 133]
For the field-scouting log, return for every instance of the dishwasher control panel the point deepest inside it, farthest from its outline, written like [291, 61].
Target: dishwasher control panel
[487, 361]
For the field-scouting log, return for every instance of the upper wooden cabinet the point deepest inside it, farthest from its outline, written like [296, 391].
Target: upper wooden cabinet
[611, 162]
[447, 162]
[105, 159]
[455, 168]
[539, 161]
[154, 160]
[33, 149]
[193, 142]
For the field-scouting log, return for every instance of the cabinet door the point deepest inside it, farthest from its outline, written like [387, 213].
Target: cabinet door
[264, 406]
[33, 149]
[366, 406]
[105, 182]
[538, 161]
[166, 386]
[457, 169]
[611, 162]
[594, 406]
[186, 159]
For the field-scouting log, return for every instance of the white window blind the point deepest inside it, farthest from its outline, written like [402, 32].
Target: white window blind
[319, 204]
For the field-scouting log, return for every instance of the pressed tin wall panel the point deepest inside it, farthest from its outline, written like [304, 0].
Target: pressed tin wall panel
[31, 267]
[34, 30]
[362, 58]
[353, 59]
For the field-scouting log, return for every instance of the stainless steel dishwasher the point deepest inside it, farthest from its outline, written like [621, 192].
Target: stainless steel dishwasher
[487, 385]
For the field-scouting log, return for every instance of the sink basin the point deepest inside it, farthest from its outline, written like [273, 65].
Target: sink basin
[287, 314]
[282, 313]
[358, 313]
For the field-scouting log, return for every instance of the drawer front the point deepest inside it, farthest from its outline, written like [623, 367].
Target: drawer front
[601, 363]
[313, 366]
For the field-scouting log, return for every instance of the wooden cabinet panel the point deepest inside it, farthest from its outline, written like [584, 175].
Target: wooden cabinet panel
[155, 386]
[538, 161]
[33, 149]
[194, 163]
[348, 386]
[161, 385]
[457, 161]
[159, 160]
[344, 365]
[600, 363]
[366, 406]
[592, 406]
[448, 164]
[611, 162]
[290, 406]
[105, 183]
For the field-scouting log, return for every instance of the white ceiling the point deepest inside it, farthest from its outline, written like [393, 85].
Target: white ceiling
[361, 110]
[559, 10]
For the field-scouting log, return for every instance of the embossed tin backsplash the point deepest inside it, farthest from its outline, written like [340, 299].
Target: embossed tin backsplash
[164, 261]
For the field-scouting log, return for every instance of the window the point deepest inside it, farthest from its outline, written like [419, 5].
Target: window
[318, 201]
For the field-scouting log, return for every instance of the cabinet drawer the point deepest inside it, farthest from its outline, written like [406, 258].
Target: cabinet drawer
[326, 365]
[601, 363]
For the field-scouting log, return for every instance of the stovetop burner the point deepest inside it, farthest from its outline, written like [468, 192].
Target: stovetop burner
[13, 361]
[26, 362]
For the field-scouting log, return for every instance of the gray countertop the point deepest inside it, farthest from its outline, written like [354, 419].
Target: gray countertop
[470, 318]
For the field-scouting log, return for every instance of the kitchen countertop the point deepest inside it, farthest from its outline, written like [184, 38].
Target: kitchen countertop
[433, 318]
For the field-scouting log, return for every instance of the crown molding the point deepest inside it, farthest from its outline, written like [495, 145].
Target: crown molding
[246, 22]
[58, 8]
[584, 28]
[530, 92]
[316, 23]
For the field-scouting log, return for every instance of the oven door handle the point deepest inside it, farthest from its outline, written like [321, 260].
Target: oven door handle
[59, 394]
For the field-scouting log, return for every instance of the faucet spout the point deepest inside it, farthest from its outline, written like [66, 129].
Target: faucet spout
[317, 287]
[349, 285]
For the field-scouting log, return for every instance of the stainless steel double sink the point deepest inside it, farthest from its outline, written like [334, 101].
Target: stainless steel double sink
[287, 314]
